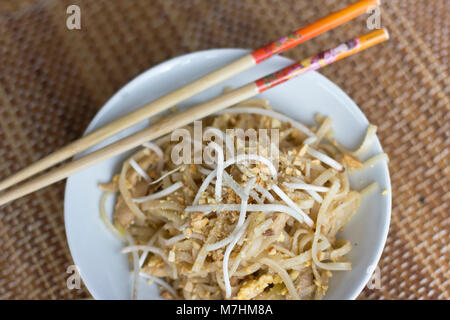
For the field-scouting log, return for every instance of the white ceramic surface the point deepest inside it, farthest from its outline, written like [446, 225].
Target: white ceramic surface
[106, 272]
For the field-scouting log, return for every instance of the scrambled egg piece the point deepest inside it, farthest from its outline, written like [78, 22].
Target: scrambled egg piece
[252, 288]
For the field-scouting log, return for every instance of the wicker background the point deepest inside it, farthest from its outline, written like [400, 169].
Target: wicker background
[52, 82]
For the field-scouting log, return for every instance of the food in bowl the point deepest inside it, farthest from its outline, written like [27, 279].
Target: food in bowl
[237, 219]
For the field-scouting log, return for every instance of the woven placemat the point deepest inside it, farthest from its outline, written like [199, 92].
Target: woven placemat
[52, 82]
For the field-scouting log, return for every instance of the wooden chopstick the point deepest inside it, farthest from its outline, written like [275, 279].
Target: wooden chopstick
[295, 38]
[181, 119]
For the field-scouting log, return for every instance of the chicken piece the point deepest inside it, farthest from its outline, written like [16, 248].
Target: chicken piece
[140, 189]
[303, 284]
[338, 218]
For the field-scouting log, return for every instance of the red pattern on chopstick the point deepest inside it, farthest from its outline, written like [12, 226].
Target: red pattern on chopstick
[282, 44]
[309, 64]
[314, 29]
[322, 59]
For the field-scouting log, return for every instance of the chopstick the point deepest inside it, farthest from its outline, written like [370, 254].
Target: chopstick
[202, 110]
[295, 38]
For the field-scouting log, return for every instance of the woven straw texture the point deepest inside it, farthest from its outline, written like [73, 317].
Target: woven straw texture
[53, 81]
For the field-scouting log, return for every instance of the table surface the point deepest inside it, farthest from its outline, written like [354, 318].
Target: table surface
[53, 80]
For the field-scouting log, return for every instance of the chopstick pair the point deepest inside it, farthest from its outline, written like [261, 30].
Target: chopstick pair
[200, 111]
[181, 119]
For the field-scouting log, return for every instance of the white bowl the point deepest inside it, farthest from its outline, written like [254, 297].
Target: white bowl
[106, 273]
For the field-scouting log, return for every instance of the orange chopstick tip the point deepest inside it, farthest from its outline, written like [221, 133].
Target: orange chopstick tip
[370, 3]
[374, 37]
[380, 34]
[386, 32]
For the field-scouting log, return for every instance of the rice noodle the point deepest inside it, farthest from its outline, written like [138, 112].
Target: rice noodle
[150, 242]
[283, 250]
[228, 163]
[309, 140]
[161, 282]
[173, 240]
[324, 177]
[212, 236]
[154, 147]
[158, 151]
[291, 204]
[165, 175]
[258, 230]
[372, 161]
[145, 248]
[331, 265]
[325, 159]
[105, 219]
[305, 186]
[266, 194]
[151, 249]
[183, 226]
[313, 194]
[369, 189]
[283, 275]
[247, 270]
[294, 244]
[177, 238]
[342, 250]
[324, 128]
[226, 257]
[204, 170]
[125, 193]
[135, 267]
[365, 144]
